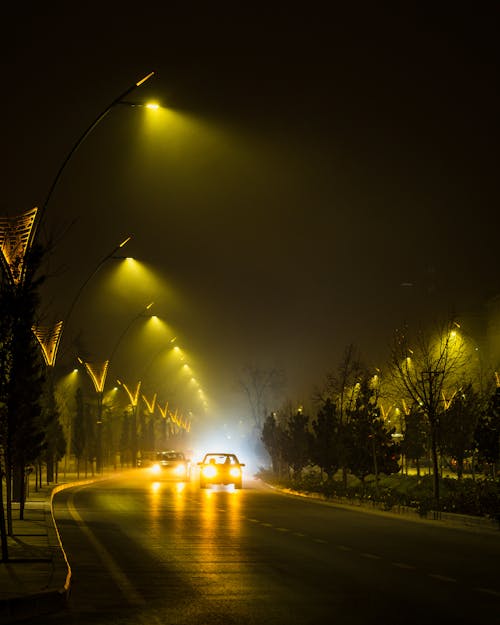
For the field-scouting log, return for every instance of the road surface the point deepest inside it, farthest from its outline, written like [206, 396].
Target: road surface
[146, 552]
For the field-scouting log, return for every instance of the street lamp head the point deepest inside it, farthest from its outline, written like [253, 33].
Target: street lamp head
[125, 241]
[143, 80]
[152, 106]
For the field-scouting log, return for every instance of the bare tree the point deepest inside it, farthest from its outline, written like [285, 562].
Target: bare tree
[426, 371]
[261, 386]
[342, 388]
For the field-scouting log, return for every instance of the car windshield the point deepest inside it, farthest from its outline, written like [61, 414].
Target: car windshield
[169, 455]
[220, 459]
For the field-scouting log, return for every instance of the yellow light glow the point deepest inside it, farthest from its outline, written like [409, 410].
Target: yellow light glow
[97, 373]
[15, 238]
[49, 337]
[150, 404]
[133, 397]
[209, 471]
[155, 469]
[123, 243]
[153, 106]
[143, 80]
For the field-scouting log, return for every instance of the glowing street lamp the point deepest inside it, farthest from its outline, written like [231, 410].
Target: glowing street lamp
[142, 313]
[17, 233]
[85, 134]
[49, 336]
[109, 256]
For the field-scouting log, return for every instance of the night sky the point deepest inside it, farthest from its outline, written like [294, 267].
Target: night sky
[316, 178]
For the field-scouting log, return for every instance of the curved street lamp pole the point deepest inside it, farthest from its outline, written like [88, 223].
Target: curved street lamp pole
[127, 328]
[83, 136]
[91, 275]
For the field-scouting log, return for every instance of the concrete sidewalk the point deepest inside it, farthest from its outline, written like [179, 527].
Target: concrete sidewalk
[37, 578]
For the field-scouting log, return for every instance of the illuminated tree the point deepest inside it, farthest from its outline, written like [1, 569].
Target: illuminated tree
[426, 369]
[415, 435]
[342, 387]
[458, 424]
[370, 448]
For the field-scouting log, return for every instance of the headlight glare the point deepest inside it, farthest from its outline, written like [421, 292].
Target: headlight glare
[155, 469]
[209, 471]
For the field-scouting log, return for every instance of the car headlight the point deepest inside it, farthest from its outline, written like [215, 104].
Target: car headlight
[235, 472]
[209, 471]
[180, 469]
[155, 468]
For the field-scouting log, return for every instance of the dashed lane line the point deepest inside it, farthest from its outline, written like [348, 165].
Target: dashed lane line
[371, 556]
[442, 578]
[488, 591]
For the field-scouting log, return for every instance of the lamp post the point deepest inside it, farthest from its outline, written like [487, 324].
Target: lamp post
[97, 373]
[134, 404]
[142, 313]
[92, 274]
[84, 135]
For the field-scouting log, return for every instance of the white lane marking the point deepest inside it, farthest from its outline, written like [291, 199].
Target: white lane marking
[370, 556]
[442, 578]
[402, 565]
[488, 591]
[119, 577]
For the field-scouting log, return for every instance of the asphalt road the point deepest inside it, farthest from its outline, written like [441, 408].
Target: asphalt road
[146, 552]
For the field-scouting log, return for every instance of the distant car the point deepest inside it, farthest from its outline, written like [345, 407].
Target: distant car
[173, 465]
[220, 468]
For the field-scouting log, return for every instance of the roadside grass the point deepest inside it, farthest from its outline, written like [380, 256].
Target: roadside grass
[467, 496]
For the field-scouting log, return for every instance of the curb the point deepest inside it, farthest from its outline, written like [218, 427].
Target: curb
[55, 599]
[459, 521]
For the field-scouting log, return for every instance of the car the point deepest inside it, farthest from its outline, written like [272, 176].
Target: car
[172, 464]
[220, 468]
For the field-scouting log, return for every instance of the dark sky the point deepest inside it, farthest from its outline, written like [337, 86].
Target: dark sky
[309, 166]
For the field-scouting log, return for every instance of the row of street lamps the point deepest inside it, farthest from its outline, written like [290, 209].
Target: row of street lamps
[17, 236]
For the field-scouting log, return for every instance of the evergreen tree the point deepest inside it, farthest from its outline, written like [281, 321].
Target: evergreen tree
[487, 434]
[327, 443]
[415, 435]
[458, 424]
[271, 437]
[297, 449]
[371, 447]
